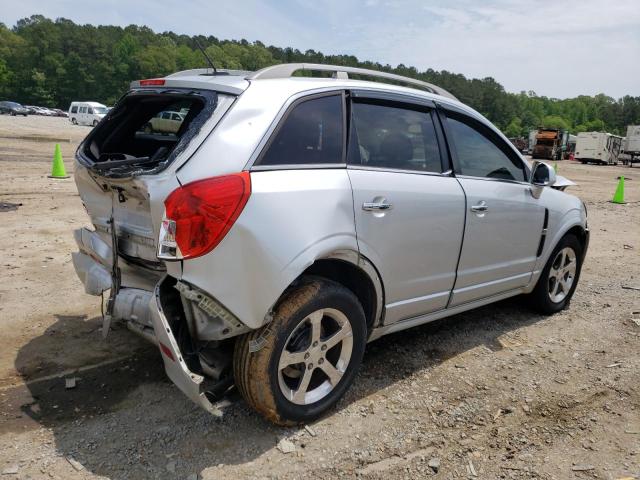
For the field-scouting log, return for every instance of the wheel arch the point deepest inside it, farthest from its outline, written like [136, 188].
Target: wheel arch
[357, 274]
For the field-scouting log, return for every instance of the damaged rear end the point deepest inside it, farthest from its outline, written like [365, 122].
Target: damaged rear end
[125, 172]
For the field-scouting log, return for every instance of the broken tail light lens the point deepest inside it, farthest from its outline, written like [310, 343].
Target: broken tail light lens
[199, 215]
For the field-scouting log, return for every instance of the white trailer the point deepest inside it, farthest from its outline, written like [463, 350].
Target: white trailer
[598, 147]
[632, 145]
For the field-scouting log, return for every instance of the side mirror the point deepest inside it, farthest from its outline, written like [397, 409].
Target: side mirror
[542, 175]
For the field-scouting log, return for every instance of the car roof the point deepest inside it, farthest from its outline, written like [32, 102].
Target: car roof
[236, 81]
[278, 80]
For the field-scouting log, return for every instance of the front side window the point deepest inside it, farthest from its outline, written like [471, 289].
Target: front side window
[479, 153]
[312, 133]
[74, 109]
[393, 137]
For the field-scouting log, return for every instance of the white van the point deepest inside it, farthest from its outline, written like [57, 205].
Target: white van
[86, 113]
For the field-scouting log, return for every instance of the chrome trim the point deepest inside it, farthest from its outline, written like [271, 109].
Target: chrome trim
[372, 206]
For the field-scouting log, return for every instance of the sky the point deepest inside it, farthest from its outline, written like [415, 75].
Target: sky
[556, 48]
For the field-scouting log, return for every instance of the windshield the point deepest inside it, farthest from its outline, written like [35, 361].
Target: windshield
[100, 110]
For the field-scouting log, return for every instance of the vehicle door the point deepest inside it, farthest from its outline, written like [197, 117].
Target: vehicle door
[82, 116]
[409, 209]
[504, 221]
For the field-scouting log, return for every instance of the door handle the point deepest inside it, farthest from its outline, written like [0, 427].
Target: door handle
[376, 206]
[481, 207]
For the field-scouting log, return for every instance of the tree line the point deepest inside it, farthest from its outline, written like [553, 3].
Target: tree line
[53, 62]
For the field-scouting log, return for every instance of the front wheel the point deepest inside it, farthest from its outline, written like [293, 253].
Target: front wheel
[297, 367]
[559, 278]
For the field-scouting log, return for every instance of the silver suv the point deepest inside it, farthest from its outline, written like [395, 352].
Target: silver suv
[289, 220]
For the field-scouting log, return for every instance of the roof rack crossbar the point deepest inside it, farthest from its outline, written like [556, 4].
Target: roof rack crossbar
[286, 70]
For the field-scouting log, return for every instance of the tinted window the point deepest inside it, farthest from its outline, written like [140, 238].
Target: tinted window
[90, 110]
[392, 137]
[311, 133]
[74, 109]
[479, 155]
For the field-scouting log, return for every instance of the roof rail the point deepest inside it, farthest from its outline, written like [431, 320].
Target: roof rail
[286, 70]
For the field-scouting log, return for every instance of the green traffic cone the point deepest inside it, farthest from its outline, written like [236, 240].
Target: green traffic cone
[57, 170]
[618, 197]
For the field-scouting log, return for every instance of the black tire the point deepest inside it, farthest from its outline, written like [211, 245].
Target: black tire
[13, 114]
[148, 128]
[95, 122]
[540, 299]
[257, 374]
[74, 121]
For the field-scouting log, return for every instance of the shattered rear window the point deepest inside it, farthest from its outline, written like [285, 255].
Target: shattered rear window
[146, 130]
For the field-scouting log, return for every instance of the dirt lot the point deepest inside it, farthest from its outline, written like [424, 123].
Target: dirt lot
[499, 392]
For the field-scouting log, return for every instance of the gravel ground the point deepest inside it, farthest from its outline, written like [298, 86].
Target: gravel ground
[499, 392]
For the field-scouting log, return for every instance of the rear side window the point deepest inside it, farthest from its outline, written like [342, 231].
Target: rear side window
[393, 137]
[481, 153]
[311, 133]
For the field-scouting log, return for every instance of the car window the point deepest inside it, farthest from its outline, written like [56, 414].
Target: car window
[311, 134]
[393, 137]
[90, 110]
[175, 116]
[166, 115]
[74, 109]
[479, 154]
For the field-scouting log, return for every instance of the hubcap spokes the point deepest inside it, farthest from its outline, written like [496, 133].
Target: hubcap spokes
[315, 357]
[562, 274]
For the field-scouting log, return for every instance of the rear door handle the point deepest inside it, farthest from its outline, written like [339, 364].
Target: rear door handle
[481, 207]
[376, 206]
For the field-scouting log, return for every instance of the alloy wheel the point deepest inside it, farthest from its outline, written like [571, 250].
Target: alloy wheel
[315, 356]
[562, 274]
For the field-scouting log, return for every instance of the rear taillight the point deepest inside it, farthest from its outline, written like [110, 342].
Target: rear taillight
[199, 215]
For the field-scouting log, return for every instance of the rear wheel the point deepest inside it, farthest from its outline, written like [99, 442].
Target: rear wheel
[74, 121]
[306, 358]
[559, 278]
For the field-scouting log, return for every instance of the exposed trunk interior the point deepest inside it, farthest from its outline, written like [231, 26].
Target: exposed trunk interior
[146, 130]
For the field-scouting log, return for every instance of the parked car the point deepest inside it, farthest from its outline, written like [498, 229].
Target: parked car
[86, 113]
[164, 122]
[59, 113]
[13, 108]
[40, 111]
[292, 220]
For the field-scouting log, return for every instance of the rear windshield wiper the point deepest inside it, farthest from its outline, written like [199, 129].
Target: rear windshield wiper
[109, 164]
[118, 161]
